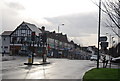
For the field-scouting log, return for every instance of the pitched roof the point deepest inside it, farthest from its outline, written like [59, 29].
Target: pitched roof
[6, 33]
[56, 36]
[71, 42]
[61, 37]
[33, 28]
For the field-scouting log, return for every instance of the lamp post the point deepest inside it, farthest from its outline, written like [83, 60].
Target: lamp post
[59, 27]
[99, 33]
[58, 37]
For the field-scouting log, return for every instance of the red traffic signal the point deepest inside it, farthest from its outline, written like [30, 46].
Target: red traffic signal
[33, 36]
[33, 33]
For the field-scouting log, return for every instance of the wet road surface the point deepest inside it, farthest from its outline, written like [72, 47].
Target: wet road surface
[58, 69]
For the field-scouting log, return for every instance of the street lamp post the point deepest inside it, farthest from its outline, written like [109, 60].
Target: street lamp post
[58, 37]
[99, 33]
[59, 27]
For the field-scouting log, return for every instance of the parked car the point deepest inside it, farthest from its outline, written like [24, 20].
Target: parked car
[93, 58]
[116, 60]
[24, 52]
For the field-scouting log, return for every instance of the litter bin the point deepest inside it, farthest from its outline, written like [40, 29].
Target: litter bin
[44, 57]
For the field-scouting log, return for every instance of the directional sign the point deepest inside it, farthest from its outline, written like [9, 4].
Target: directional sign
[104, 44]
[103, 38]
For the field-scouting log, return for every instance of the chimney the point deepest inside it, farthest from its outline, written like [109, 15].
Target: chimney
[53, 31]
[43, 28]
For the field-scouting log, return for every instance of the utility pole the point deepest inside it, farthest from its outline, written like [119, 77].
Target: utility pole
[99, 33]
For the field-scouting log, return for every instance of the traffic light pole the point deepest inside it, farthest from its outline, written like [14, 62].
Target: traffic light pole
[33, 48]
[44, 53]
[44, 40]
[33, 53]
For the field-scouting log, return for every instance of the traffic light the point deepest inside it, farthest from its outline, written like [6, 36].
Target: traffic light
[33, 36]
[48, 47]
[44, 38]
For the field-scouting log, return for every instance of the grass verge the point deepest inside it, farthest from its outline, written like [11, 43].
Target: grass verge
[102, 74]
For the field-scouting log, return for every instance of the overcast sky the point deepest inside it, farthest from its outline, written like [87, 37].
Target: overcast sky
[80, 17]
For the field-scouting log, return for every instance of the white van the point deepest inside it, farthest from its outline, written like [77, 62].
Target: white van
[93, 57]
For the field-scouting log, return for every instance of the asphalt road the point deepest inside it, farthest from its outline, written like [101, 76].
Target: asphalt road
[58, 69]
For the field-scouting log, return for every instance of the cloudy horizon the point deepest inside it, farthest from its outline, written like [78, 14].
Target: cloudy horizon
[80, 17]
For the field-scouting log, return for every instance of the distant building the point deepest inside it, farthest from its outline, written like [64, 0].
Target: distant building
[58, 43]
[5, 41]
[14, 42]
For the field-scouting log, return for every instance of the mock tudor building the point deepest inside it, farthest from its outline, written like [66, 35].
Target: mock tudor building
[21, 37]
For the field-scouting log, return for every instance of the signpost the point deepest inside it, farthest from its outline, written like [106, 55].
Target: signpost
[104, 44]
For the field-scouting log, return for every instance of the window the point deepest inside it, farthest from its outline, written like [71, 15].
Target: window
[5, 47]
[14, 39]
[23, 32]
[23, 27]
[22, 39]
[4, 38]
[28, 34]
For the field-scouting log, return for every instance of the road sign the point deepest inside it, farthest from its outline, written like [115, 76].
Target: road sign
[104, 44]
[103, 38]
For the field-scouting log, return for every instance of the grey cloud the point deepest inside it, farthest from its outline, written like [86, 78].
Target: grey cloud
[10, 15]
[15, 5]
[77, 24]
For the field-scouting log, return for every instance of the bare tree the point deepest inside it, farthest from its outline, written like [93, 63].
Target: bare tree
[112, 9]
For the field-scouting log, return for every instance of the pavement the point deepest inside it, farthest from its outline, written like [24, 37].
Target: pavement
[114, 65]
[6, 57]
